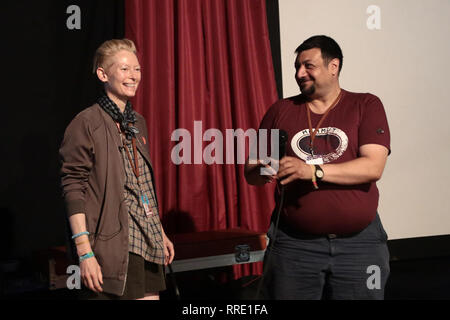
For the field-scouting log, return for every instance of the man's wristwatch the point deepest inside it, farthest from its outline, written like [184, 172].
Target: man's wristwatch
[319, 172]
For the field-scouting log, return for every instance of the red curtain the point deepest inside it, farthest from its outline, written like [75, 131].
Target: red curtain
[208, 61]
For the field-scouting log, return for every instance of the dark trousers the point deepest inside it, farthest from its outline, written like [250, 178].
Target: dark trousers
[302, 266]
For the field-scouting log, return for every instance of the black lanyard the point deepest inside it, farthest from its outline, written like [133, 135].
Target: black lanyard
[135, 165]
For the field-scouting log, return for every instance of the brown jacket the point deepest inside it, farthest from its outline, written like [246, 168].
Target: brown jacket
[92, 176]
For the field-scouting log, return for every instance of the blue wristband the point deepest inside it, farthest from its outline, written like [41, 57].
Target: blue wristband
[85, 256]
[79, 234]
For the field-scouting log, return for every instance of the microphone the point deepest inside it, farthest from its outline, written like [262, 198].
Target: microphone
[282, 138]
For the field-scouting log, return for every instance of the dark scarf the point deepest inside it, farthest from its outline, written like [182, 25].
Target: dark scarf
[125, 119]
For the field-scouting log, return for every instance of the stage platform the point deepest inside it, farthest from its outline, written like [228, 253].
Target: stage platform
[193, 251]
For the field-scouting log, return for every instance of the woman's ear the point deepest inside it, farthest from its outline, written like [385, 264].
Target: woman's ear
[101, 74]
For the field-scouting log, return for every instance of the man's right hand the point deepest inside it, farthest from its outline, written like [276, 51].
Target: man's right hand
[91, 274]
[252, 172]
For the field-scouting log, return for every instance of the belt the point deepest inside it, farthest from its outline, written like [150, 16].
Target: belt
[301, 235]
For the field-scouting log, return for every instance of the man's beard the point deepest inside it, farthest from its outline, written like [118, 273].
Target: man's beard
[308, 91]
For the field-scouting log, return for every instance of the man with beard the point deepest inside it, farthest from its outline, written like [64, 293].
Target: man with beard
[330, 243]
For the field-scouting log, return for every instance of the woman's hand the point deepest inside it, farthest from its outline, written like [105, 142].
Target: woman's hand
[169, 251]
[91, 274]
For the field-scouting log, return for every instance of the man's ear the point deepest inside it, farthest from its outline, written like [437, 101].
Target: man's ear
[101, 74]
[334, 66]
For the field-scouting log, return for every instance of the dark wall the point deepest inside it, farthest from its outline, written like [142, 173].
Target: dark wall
[273, 23]
[47, 81]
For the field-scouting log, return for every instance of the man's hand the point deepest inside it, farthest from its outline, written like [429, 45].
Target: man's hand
[292, 169]
[252, 171]
[269, 173]
[367, 168]
[91, 274]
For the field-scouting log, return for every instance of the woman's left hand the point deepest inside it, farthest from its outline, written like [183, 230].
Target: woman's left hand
[169, 251]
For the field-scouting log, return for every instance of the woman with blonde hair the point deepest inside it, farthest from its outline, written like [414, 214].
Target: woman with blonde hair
[108, 187]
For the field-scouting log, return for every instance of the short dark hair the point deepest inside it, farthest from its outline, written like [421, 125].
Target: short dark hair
[328, 47]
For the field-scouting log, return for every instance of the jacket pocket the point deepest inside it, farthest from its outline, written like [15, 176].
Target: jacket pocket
[111, 225]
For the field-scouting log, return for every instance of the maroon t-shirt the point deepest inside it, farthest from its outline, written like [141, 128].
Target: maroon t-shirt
[358, 119]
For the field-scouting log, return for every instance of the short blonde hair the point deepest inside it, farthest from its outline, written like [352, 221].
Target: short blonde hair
[108, 49]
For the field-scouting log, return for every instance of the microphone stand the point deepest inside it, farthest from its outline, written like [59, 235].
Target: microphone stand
[282, 140]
